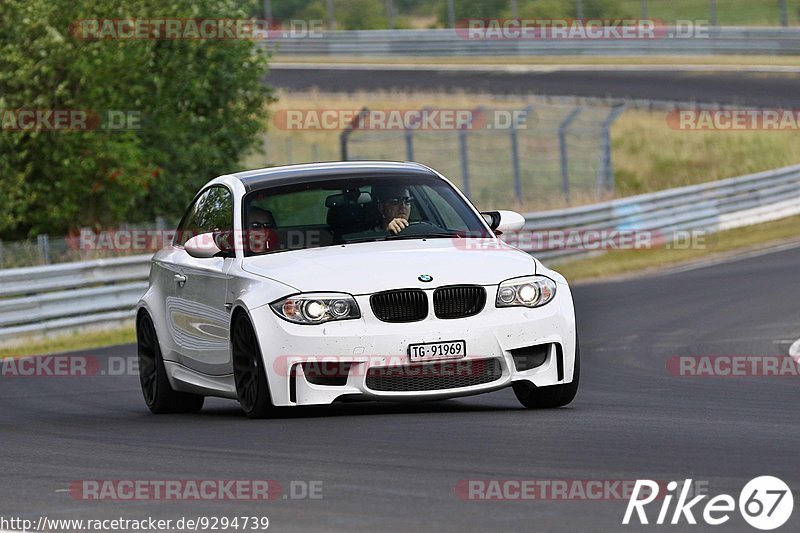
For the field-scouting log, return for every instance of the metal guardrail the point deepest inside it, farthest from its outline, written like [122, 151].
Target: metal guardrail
[58, 298]
[710, 207]
[447, 42]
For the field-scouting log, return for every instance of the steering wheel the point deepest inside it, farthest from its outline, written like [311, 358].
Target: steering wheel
[419, 227]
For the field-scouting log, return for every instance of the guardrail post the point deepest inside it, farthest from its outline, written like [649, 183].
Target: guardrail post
[562, 145]
[644, 9]
[605, 173]
[44, 248]
[345, 135]
[1, 253]
[579, 9]
[515, 152]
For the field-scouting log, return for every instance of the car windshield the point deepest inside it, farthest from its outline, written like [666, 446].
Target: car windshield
[339, 211]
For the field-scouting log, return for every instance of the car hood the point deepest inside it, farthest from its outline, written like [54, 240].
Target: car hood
[366, 268]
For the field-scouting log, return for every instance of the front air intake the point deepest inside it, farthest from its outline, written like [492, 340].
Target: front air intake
[406, 305]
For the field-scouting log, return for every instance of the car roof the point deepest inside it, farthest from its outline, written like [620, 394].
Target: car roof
[291, 174]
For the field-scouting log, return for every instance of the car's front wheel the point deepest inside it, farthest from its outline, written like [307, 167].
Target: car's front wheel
[252, 388]
[158, 394]
[534, 397]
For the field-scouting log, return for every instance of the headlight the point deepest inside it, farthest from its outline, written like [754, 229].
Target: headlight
[316, 308]
[530, 291]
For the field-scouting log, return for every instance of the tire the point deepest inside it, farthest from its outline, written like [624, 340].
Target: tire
[157, 392]
[252, 388]
[534, 397]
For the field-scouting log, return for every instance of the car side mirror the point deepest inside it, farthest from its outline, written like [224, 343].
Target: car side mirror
[503, 221]
[207, 245]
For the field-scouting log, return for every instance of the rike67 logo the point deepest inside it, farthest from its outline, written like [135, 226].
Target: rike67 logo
[765, 503]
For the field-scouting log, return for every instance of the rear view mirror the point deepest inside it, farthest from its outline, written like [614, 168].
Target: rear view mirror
[208, 245]
[504, 221]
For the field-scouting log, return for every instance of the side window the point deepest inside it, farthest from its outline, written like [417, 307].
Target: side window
[211, 212]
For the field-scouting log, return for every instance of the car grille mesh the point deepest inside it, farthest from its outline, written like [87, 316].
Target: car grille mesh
[434, 376]
[408, 305]
[458, 301]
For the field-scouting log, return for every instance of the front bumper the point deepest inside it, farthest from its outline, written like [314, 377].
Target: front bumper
[367, 343]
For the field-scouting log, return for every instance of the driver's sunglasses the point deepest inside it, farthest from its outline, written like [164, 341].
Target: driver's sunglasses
[397, 200]
[260, 225]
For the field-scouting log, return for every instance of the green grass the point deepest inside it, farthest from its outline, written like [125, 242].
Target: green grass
[72, 343]
[647, 154]
[619, 262]
[729, 12]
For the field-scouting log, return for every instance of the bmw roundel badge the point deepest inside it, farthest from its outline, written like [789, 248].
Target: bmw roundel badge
[425, 278]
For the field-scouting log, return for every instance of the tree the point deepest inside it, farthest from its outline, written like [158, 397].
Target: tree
[200, 104]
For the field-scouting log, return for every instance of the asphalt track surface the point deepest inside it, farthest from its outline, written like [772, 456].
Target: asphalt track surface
[732, 88]
[395, 467]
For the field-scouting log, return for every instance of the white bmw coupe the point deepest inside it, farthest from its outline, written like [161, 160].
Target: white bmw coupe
[311, 284]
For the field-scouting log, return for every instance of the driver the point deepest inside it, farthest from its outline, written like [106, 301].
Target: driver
[261, 236]
[394, 205]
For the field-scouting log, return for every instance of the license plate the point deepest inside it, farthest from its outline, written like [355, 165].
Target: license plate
[431, 351]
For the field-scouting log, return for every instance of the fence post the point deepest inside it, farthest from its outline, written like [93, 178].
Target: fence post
[44, 248]
[1, 253]
[345, 135]
[331, 16]
[451, 13]
[515, 153]
[390, 14]
[579, 9]
[644, 9]
[462, 142]
[562, 144]
[712, 12]
[288, 145]
[605, 173]
[784, 14]
[409, 134]
[314, 152]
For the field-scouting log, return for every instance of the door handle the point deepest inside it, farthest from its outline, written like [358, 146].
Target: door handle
[180, 279]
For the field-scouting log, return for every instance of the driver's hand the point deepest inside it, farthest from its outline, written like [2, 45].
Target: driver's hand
[397, 225]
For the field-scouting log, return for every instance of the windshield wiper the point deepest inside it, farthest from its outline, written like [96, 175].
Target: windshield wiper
[422, 236]
[365, 239]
